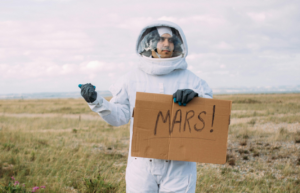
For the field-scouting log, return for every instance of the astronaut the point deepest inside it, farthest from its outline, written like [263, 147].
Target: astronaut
[162, 49]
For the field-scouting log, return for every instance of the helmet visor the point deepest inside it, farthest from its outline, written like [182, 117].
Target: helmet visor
[161, 42]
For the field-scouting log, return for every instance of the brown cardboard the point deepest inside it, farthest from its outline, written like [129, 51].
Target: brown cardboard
[164, 130]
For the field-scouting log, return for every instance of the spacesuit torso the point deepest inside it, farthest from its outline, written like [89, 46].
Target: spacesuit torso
[153, 75]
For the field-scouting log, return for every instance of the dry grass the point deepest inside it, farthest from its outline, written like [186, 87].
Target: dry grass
[45, 106]
[60, 143]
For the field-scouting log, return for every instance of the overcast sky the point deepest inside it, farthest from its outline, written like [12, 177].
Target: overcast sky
[52, 46]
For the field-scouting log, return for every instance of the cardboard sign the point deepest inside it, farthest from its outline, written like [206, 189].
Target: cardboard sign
[164, 130]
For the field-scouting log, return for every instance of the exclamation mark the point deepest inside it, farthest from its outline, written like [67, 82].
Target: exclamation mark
[213, 118]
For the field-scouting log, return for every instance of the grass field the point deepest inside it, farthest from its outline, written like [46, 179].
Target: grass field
[62, 145]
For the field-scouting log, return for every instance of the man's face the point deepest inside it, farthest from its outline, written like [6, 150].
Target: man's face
[165, 46]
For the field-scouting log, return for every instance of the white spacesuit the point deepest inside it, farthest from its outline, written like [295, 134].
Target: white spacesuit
[154, 74]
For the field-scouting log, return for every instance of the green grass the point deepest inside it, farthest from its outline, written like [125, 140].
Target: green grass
[61, 158]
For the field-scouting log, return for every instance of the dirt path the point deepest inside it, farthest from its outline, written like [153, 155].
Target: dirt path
[268, 127]
[247, 119]
[54, 115]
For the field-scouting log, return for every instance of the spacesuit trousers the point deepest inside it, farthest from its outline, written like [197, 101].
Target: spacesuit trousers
[144, 175]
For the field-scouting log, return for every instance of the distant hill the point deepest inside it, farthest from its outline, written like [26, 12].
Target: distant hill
[106, 93]
[48, 95]
[257, 90]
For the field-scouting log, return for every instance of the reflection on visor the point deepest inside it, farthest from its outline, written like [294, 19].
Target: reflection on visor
[164, 46]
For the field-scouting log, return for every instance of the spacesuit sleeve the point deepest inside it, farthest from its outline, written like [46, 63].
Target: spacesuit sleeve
[117, 111]
[202, 88]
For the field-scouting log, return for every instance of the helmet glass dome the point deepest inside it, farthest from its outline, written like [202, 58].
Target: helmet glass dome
[161, 42]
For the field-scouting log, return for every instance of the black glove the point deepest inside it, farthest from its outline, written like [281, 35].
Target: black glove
[184, 96]
[88, 92]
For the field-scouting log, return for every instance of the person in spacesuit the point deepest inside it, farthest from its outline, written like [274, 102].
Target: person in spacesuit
[162, 49]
